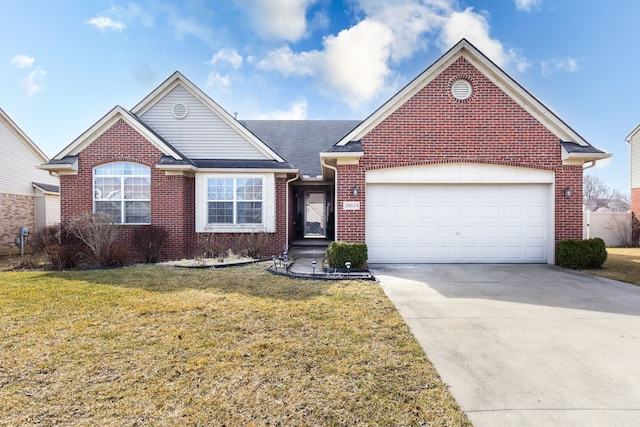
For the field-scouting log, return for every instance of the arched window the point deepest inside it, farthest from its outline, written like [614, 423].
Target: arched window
[123, 192]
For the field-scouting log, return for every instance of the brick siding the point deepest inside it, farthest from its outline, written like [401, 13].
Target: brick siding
[489, 128]
[15, 211]
[172, 196]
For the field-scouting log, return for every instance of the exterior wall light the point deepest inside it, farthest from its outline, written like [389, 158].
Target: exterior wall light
[567, 192]
[355, 191]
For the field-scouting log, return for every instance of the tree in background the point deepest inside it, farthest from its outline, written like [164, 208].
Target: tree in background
[594, 188]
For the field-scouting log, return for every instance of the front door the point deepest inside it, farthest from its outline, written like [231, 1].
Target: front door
[314, 215]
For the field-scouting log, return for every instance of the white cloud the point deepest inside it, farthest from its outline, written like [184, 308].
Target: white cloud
[298, 111]
[229, 56]
[280, 19]
[475, 28]
[526, 5]
[106, 23]
[357, 64]
[568, 65]
[218, 80]
[356, 61]
[409, 21]
[30, 82]
[287, 62]
[23, 61]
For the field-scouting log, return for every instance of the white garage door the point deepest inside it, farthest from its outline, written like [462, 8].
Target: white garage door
[451, 223]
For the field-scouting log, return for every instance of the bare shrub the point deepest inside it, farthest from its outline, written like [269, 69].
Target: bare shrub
[99, 234]
[62, 249]
[149, 240]
[253, 245]
[220, 245]
[622, 226]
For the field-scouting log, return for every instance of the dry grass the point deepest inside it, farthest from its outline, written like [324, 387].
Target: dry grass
[622, 264]
[158, 346]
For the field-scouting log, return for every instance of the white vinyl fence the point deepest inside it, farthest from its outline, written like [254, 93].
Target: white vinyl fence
[612, 227]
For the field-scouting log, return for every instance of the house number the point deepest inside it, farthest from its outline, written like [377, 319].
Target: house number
[351, 206]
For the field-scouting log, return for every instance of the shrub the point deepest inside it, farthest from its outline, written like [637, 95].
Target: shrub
[220, 245]
[62, 249]
[340, 252]
[580, 254]
[149, 240]
[99, 234]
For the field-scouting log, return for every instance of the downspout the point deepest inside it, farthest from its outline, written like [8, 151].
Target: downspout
[335, 195]
[286, 227]
[593, 163]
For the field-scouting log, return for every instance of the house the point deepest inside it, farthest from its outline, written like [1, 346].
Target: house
[29, 196]
[461, 165]
[606, 205]
[633, 139]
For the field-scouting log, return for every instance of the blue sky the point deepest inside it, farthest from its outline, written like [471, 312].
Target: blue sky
[65, 63]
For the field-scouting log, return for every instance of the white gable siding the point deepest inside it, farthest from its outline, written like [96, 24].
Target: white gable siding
[47, 210]
[635, 160]
[18, 165]
[201, 134]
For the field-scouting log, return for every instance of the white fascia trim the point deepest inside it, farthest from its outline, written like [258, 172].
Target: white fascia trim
[632, 134]
[62, 169]
[245, 171]
[178, 79]
[489, 69]
[582, 158]
[345, 155]
[523, 98]
[105, 123]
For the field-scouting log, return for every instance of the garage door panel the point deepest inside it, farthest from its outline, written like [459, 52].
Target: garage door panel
[457, 223]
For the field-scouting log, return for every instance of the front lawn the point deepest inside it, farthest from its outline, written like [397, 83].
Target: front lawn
[622, 264]
[154, 345]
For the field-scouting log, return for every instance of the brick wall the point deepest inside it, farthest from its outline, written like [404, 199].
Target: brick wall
[172, 196]
[15, 211]
[489, 127]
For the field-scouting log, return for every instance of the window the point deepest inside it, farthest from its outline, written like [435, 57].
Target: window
[234, 200]
[123, 192]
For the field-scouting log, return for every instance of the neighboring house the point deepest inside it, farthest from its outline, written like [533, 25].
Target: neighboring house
[29, 196]
[634, 142]
[461, 165]
[606, 205]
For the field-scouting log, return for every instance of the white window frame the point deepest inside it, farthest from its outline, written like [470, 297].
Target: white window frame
[202, 205]
[122, 200]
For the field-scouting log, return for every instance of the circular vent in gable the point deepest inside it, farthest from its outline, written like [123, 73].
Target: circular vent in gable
[179, 110]
[461, 89]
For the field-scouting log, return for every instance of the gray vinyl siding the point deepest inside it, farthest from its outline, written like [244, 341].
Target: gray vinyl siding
[202, 134]
[18, 165]
[635, 161]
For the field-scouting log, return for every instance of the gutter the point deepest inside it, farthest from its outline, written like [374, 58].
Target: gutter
[286, 227]
[335, 195]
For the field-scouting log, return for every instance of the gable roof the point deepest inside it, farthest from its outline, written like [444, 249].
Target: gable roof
[632, 134]
[108, 120]
[494, 73]
[301, 141]
[177, 79]
[23, 136]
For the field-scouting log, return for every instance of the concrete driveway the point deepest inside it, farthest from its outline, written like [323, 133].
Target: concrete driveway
[526, 345]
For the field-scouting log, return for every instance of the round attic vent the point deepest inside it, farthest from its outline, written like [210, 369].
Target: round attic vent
[461, 89]
[179, 110]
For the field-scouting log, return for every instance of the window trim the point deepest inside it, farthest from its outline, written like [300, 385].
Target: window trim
[122, 200]
[202, 204]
